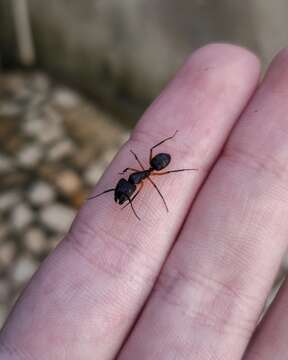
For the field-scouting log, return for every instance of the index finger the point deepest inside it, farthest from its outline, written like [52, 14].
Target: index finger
[87, 294]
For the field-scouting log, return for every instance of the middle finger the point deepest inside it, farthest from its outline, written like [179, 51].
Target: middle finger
[212, 288]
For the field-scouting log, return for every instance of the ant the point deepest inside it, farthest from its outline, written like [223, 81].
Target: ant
[126, 188]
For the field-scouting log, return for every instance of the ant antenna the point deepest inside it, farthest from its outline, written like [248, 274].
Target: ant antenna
[137, 159]
[104, 192]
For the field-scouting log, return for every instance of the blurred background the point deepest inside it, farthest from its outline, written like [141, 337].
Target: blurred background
[74, 78]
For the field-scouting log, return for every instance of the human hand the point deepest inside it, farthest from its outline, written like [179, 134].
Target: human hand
[190, 283]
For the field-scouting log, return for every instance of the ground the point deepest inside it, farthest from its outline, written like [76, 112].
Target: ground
[54, 146]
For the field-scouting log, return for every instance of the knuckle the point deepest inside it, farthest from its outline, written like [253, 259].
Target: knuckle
[106, 251]
[207, 301]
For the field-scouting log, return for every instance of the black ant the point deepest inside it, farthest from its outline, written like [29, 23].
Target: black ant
[126, 188]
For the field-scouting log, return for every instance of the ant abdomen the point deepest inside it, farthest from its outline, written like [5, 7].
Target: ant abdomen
[160, 161]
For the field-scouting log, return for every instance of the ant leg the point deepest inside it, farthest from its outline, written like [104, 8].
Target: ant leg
[104, 192]
[137, 159]
[134, 196]
[172, 171]
[128, 169]
[161, 142]
[157, 189]
[130, 202]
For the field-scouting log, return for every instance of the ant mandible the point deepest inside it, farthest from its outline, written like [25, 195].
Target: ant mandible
[126, 188]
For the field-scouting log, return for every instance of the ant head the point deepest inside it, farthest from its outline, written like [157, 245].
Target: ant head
[121, 198]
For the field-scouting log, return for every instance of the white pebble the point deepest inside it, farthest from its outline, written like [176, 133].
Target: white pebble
[30, 155]
[43, 129]
[8, 200]
[21, 216]
[41, 193]
[40, 82]
[33, 123]
[6, 164]
[4, 231]
[68, 182]
[35, 240]
[9, 109]
[93, 174]
[61, 150]
[57, 217]
[52, 133]
[23, 269]
[109, 155]
[65, 98]
[7, 253]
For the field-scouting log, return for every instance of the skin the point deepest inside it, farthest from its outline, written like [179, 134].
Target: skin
[191, 283]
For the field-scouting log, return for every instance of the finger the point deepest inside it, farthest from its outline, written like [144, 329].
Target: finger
[210, 293]
[89, 291]
[270, 339]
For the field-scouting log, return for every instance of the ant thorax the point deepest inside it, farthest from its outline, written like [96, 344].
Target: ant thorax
[138, 177]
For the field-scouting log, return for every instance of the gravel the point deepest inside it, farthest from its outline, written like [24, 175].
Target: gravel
[57, 217]
[23, 269]
[7, 254]
[21, 216]
[68, 182]
[8, 200]
[54, 146]
[65, 98]
[6, 164]
[35, 240]
[41, 193]
[61, 150]
[30, 156]
[93, 174]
